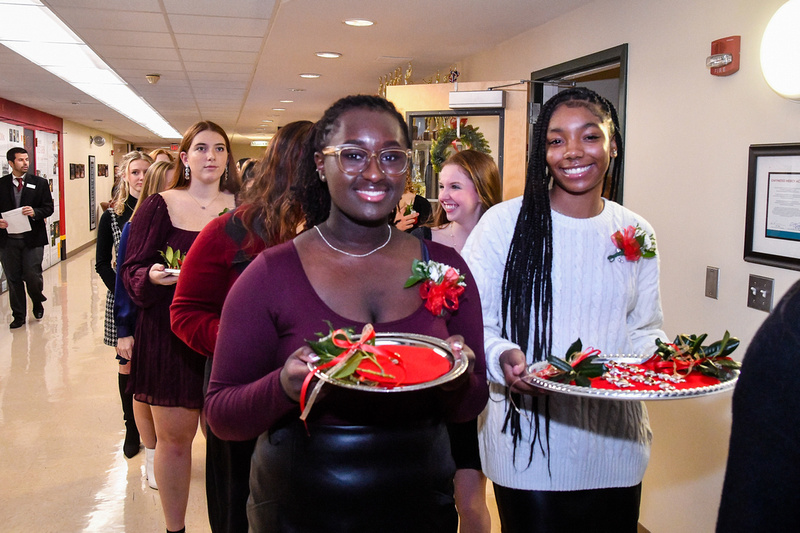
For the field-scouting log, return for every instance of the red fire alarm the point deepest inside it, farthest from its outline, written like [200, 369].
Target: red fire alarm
[724, 58]
[174, 147]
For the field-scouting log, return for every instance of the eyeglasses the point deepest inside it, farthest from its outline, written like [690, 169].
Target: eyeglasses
[354, 159]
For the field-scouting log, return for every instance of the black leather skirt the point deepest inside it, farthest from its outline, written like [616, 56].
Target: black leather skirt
[353, 479]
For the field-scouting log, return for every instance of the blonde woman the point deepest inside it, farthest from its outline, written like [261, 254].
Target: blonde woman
[157, 178]
[166, 373]
[131, 177]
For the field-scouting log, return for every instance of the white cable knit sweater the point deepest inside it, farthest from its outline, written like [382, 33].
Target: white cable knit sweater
[614, 307]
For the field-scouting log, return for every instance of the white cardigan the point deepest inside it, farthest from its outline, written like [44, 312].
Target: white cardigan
[612, 306]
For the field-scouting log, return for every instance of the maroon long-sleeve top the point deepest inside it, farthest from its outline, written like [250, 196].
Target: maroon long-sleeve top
[270, 312]
[218, 256]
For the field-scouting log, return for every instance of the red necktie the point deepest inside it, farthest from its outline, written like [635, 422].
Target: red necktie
[19, 184]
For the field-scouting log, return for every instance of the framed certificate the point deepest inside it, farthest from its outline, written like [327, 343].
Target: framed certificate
[772, 228]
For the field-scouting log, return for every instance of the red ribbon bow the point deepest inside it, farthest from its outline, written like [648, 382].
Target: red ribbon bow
[626, 241]
[677, 364]
[444, 295]
[583, 355]
[342, 339]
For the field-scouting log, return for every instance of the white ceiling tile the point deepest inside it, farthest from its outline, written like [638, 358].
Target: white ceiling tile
[230, 76]
[202, 25]
[138, 52]
[248, 58]
[151, 66]
[112, 19]
[245, 9]
[219, 67]
[205, 42]
[131, 5]
[102, 37]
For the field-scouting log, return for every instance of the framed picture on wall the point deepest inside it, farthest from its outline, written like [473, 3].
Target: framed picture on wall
[92, 194]
[772, 226]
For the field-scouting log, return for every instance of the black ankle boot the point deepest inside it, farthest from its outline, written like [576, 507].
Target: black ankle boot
[131, 445]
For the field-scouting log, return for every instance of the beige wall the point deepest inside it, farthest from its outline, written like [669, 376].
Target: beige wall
[241, 150]
[686, 172]
[76, 192]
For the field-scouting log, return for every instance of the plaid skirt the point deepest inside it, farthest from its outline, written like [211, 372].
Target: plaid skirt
[110, 329]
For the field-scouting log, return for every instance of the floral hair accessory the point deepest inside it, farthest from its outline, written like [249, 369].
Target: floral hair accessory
[441, 285]
[633, 243]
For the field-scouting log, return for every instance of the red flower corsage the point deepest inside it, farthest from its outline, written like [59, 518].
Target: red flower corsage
[441, 285]
[633, 243]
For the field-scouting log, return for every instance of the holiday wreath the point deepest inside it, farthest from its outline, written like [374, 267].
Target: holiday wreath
[470, 138]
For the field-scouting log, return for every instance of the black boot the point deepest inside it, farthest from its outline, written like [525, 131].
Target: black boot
[131, 445]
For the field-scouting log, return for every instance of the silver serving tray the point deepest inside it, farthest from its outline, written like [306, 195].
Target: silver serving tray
[458, 365]
[626, 394]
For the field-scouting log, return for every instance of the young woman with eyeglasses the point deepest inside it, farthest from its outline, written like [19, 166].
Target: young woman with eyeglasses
[366, 461]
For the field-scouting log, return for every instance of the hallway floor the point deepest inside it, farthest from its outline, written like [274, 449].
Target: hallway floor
[61, 429]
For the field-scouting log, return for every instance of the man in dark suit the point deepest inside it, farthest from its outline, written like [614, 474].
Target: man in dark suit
[21, 254]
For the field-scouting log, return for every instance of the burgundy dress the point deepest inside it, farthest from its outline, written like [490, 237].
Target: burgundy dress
[164, 370]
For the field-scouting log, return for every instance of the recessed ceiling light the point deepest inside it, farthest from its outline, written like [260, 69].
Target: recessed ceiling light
[297, 90]
[259, 143]
[267, 120]
[329, 55]
[309, 75]
[279, 109]
[287, 101]
[361, 23]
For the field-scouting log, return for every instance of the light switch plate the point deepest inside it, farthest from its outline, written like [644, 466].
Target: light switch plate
[759, 293]
[712, 282]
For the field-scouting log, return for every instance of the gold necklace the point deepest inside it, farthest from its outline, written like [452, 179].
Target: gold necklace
[201, 205]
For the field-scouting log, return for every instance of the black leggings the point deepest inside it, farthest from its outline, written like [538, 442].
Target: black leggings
[614, 510]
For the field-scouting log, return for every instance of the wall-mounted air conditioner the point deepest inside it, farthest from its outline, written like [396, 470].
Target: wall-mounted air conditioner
[477, 99]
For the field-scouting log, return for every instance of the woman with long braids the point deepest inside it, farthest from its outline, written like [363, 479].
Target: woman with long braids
[543, 267]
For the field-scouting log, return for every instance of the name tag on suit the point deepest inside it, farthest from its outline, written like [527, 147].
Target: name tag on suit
[30, 185]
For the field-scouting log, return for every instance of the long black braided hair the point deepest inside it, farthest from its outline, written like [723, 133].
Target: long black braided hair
[527, 291]
[311, 191]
